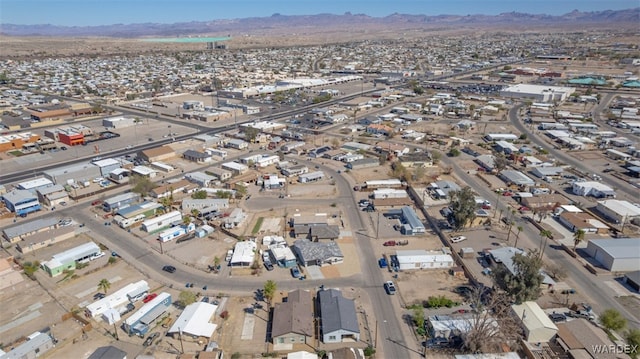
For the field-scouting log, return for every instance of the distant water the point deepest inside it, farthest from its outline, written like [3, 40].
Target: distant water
[188, 39]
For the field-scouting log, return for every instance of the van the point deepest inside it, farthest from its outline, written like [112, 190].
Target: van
[539, 191]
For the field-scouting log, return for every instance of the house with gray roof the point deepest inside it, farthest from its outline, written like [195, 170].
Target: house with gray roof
[19, 232]
[511, 177]
[317, 253]
[293, 319]
[37, 344]
[338, 317]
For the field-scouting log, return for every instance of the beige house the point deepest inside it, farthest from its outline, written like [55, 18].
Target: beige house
[293, 319]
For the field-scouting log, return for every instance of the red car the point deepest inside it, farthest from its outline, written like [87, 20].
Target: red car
[389, 243]
[507, 193]
[524, 209]
[149, 298]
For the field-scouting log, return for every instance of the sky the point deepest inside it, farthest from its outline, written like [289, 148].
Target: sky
[109, 12]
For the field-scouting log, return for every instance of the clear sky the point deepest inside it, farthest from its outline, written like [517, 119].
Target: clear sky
[108, 12]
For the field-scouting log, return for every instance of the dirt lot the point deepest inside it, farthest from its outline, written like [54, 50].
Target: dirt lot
[416, 286]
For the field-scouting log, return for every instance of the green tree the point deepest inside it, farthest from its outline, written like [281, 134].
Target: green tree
[500, 162]
[30, 268]
[520, 228]
[544, 234]
[195, 212]
[104, 285]
[612, 320]
[369, 351]
[399, 171]
[186, 297]
[241, 191]
[632, 336]
[578, 237]
[463, 206]
[269, 290]
[524, 283]
[199, 195]
[436, 156]
[250, 134]
[112, 260]
[141, 184]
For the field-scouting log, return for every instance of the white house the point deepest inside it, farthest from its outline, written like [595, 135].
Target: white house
[243, 254]
[538, 328]
[421, 259]
[593, 189]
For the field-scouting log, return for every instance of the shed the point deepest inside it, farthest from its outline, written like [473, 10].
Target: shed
[538, 328]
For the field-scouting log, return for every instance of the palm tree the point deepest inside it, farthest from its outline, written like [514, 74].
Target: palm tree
[269, 290]
[546, 234]
[520, 228]
[577, 238]
[104, 285]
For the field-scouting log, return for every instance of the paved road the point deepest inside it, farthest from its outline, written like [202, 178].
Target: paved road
[612, 181]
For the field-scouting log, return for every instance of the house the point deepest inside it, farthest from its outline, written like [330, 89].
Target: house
[283, 256]
[52, 196]
[293, 319]
[195, 320]
[200, 178]
[582, 221]
[338, 317]
[547, 171]
[421, 259]
[317, 253]
[504, 256]
[171, 189]
[235, 167]
[37, 344]
[237, 144]
[440, 189]
[144, 171]
[447, 327]
[593, 189]
[538, 328]
[243, 254]
[311, 177]
[379, 129]
[219, 173]
[195, 156]
[68, 259]
[108, 352]
[23, 230]
[363, 163]
[140, 321]
[486, 161]
[579, 339]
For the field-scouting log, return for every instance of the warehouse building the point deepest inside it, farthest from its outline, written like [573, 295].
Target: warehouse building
[67, 260]
[616, 254]
[79, 172]
[537, 93]
[21, 202]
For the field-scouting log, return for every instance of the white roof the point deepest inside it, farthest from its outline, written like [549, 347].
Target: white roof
[571, 208]
[194, 320]
[117, 298]
[623, 208]
[593, 184]
[421, 256]
[235, 166]
[536, 89]
[244, 252]
[143, 170]
[532, 316]
[285, 253]
[302, 355]
[106, 162]
[38, 182]
[73, 254]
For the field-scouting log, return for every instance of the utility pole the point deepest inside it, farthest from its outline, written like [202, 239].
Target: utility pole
[115, 328]
[375, 339]
[181, 345]
[378, 226]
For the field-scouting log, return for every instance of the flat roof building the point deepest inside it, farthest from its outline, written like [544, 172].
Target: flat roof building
[67, 260]
[538, 328]
[616, 254]
[195, 320]
[537, 93]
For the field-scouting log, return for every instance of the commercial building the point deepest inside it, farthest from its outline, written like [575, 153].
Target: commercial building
[68, 259]
[53, 195]
[618, 211]
[35, 184]
[421, 259]
[118, 299]
[72, 174]
[195, 320]
[538, 328]
[162, 222]
[338, 317]
[21, 202]
[138, 323]
[23, 230]
[616, 254]
[200, 178]
[37, 344]
[106, 166]
[293, 319]
[363, 163]
[538, 93]
[593, 189]
[158, 154]
[17, 140]
[118, 122]
[120, 201]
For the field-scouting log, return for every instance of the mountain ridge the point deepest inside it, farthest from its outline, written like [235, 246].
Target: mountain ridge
[325, 20]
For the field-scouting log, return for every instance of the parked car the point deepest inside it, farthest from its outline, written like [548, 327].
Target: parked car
[170, 269]
[457, 239]
[390, 287]
[149, 298]
[268, 266]
[557, 317]
[98, 296]
[389, 243]
[295, 272]
[150, 339]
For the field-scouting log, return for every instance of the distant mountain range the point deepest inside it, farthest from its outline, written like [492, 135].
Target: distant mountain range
[325, 21]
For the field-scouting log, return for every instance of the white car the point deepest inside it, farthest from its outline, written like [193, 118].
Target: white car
[458, 239]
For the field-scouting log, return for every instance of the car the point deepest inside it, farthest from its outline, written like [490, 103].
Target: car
[524, 209]
[268, 266]
[457, 239]
[150, 339]
[98, 296]
[205, 300]
[608, 170]
[363, 203]
[170, 269]
[557, 317]
[389, 243]
[149, 298]
[295, 272]
[63, 203]
[96, 202]
[64, 148]
[507, 194]
[390, 287]
[150, 139]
